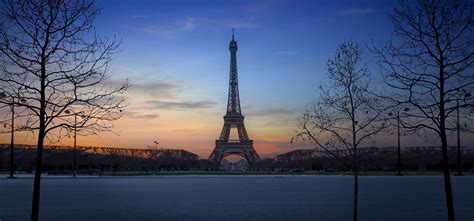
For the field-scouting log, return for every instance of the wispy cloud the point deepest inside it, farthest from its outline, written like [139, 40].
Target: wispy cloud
[271, 112]
[135, 115]
[184, 105]
[229, 23]
[276, 143]
[356, 11]
[155, 88]
[158, 89]
[183, 130]
[168, 29]
[286, 52]
[158, 94]
[307, 62]
[189, 24]
[174, 27]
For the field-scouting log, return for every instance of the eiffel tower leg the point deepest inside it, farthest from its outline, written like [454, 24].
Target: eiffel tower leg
[242, 132]
[225, 133]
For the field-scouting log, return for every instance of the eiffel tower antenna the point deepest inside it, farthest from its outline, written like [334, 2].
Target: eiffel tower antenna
[234, 119]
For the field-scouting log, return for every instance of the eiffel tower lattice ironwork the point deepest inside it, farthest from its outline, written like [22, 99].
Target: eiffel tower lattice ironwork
[234, 119]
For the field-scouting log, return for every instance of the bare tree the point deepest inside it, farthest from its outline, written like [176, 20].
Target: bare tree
[52, 58]
[429, 67]
[346, 114]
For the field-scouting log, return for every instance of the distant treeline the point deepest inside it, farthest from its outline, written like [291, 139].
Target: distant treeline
[59, 159]
[375, 159]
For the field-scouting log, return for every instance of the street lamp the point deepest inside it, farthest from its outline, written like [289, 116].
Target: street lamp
[466, 95]
[12, 136]
[156, 154]
[74, 166]
[399, 160]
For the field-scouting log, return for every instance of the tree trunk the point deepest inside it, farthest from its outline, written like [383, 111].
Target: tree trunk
[41, 136]
[444, 143]
[447, 179]
[355, 195]
[37, 179]
[355, 166]
[355, 160]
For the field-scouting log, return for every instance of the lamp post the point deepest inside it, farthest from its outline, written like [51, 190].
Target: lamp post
[399, 157]
[459, 166]
[156, 154]
[12, 142]
[12, 135]
[74, 166]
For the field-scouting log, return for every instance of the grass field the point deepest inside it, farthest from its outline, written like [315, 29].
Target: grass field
[233, 198]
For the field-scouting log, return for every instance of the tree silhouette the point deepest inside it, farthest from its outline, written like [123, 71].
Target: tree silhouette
[52, 59]
[428, 66]
[346, 114]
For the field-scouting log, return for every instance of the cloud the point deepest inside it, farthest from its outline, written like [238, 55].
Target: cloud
[164, 95]
[307, 63]
[185, 105]
[170, 29]
[134, 115]
[286, 52]
[187, 24]
[183, 130]
[155, 88]
[282, 123]
[227, 23]
[271, 112]
[356, 11]
[230, 23]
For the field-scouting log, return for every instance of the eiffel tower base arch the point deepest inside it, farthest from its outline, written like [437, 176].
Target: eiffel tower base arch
[241, 148]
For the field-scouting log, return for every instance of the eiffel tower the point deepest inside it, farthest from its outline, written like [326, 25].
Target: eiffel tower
[234, 119]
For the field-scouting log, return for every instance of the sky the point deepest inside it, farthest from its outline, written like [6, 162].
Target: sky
[176, 55]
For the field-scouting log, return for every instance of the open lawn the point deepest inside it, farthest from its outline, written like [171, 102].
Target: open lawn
[244, 197]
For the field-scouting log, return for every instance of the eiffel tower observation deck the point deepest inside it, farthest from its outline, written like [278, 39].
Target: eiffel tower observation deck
[234, 119]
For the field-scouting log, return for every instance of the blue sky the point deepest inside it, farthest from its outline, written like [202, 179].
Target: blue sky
[177, 51]
[176, 55]
[282, 44]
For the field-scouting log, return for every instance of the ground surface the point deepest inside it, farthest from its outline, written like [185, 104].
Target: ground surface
[236, 198]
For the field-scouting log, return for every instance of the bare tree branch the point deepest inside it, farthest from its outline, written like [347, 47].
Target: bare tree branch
[54, 64]
[428, 67]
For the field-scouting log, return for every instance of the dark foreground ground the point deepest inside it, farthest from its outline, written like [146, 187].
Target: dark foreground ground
[236, 198]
